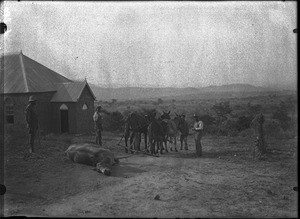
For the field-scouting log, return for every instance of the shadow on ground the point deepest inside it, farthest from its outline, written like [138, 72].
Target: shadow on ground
[125, 170]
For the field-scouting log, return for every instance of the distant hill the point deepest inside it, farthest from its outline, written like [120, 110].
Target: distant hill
[125, 93]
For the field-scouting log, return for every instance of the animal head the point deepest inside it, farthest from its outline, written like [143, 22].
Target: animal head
[102, 169]
[166, 115]
[151, 115]
[178, 120]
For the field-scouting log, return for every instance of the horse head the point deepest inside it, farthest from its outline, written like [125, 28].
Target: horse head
[165, 115]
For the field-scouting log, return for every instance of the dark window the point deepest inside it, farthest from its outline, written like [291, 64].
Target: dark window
[9, 113]
[84, 107]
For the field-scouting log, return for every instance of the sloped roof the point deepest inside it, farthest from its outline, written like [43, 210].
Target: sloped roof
[24, 75]
[70, 91]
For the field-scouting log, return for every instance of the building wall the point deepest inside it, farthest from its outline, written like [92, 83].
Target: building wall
[85, 117]
[20, 102]
[80, 121]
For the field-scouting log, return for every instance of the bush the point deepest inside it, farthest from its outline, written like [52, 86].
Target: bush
[208, 120]
[243, 123]
[272, 128]
[229, 127]
[247, 133]
[281, 115]
[113, 122]
[159, 101]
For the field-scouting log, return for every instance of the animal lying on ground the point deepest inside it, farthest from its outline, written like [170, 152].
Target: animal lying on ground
[92, 155]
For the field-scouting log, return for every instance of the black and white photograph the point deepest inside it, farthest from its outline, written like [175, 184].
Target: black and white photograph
[154, 109]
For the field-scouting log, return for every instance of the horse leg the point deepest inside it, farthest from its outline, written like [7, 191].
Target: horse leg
[131, 140]
[181, 142]
[165, 144]
[175, 143]
[156, 145]
[126, 135]
[140, 139]
[185, 142]
[146, 146]
[151, 146]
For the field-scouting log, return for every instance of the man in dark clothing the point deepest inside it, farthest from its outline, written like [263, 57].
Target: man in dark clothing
[184, 130]
[198, 129]
[32, 121]
[98, 117]
[98, 120]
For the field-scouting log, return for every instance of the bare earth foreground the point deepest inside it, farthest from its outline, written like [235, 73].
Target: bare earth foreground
[225, 182]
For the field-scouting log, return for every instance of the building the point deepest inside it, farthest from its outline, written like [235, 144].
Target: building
[63, 105]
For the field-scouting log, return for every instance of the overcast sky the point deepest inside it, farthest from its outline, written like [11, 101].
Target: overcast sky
[158, 43]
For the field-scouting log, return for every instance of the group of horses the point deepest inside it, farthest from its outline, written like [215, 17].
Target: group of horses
[157, 131]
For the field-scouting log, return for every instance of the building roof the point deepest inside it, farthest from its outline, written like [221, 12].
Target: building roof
[70, 91]
[24, 75]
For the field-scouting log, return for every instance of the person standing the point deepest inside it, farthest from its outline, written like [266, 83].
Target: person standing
[32, 121]
[184, 130]
[198, 133]
[98, 118]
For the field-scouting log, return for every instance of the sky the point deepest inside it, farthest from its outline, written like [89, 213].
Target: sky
[159, 44]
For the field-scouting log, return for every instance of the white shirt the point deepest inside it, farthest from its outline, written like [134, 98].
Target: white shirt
[198, 125]
[96, 116]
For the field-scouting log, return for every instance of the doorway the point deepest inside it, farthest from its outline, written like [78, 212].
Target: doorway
[64, 119]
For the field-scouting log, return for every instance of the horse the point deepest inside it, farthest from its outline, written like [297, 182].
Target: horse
[157, 131]
[135, 125]
[172, 129]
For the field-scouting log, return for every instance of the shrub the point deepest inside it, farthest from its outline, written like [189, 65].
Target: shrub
[208, 120]
[247, 133]
[159, 101]
[243, 123]
[229, 127]
[272, 128]
[281, 114]
[113, 122]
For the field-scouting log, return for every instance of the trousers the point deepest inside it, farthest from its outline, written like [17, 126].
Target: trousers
[183, 138]
[197, 137]
[32, 135]
[98, 137]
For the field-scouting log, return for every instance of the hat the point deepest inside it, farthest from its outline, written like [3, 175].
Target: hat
[98, 107]
[32, 99]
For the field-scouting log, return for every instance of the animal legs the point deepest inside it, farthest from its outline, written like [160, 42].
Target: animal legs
[131, 141]
[175, 143]
[146, 146]
[185, 143]
[126, 135]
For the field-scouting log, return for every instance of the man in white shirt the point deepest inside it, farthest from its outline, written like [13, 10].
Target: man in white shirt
[98, 117]
[198, 132]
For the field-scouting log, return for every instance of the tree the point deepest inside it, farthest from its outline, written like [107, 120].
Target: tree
[243, 123]
[159, 101]
[208, 120]
[281, 114]
[254, 109]
[221, 109]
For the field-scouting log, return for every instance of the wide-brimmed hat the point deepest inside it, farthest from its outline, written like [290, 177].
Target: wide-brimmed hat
[32, 99]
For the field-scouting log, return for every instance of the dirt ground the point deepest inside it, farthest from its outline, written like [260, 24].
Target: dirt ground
[225, 182]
